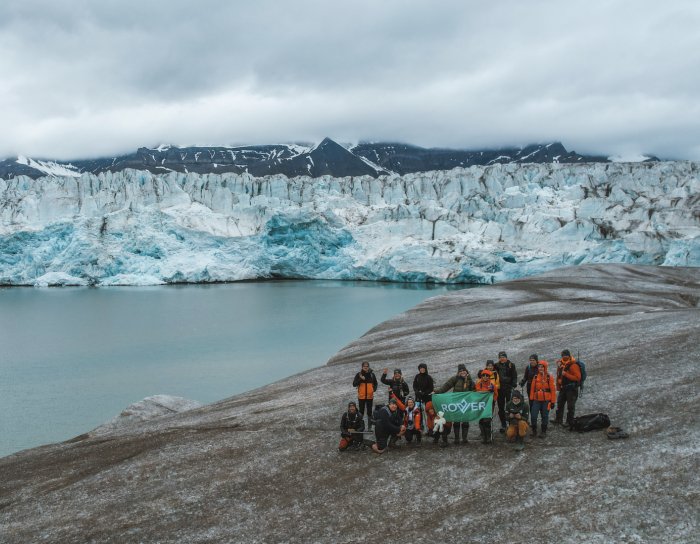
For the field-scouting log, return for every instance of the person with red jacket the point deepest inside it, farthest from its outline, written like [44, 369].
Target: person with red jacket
[411, 418]
[543, 395]
[430, 416]
[568, 382]
[485, 385]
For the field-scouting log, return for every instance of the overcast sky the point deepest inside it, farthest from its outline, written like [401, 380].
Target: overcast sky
[93, 78]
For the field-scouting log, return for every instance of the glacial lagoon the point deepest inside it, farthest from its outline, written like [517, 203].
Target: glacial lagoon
[73, 358]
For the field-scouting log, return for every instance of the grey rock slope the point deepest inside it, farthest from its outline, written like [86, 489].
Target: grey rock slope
[263, 466]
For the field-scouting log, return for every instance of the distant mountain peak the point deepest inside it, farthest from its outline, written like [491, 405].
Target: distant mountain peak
[327, 158]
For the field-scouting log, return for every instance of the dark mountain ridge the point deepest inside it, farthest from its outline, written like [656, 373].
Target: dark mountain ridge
[326, 158]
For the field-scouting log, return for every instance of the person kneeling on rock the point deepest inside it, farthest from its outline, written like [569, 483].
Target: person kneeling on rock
[518, 412]
[351, 427]
[387, 425]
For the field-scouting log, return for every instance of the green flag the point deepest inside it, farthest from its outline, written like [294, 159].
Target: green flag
[464, 406]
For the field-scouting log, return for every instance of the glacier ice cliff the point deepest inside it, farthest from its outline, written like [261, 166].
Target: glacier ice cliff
[479, 225]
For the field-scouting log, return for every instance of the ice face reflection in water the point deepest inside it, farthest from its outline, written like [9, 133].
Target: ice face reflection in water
[73, 358]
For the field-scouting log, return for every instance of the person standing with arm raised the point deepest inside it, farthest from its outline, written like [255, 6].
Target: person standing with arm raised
[397, 385]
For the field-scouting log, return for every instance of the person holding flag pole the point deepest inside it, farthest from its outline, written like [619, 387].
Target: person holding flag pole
[460, 383]
[485, 385]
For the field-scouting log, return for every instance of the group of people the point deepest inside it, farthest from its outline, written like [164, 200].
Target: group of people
[412, 417]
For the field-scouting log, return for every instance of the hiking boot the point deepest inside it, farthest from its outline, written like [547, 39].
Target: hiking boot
[464, 440]
[376, 450]
[543, 434]
[502, 429]
[534, 432]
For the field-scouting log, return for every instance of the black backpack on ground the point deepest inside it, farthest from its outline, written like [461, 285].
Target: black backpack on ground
[590, 422]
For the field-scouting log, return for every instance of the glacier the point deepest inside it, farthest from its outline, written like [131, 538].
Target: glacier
[481, 224]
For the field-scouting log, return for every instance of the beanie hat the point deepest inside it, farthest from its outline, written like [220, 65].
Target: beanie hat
[392, 400]
[351, 403]
[518, 394]
[461, 367]
[397, 371]
[502, 354]
[486, 373]
[534, 357]
[566, 353]
[423, 365]
[489, 362]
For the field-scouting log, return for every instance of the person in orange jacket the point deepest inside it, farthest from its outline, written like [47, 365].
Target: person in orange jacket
[411, 418]
[430, 416]
[517, 411]
[485, 385]
[543, 395]
[568, 382]
[491, 367]
[366, 383]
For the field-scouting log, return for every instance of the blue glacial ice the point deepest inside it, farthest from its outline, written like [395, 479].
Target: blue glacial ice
[477, 225]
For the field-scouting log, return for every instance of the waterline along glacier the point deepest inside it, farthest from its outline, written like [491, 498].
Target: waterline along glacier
[478, 225]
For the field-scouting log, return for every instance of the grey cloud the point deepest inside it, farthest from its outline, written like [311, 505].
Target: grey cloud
[86, 78]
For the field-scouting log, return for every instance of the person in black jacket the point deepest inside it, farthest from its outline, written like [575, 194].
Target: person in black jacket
[366, 383]
[529, 375]
[397, 384]
[351, 427]
[423, 385]
[388, 425]
[508, 376]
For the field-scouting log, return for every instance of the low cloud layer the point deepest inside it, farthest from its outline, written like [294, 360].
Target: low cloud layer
[84, 78]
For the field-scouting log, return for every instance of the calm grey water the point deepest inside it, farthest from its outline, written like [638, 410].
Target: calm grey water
[73, 358]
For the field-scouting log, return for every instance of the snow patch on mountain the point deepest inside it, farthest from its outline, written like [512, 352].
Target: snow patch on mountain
[478, 225]
[49, 168]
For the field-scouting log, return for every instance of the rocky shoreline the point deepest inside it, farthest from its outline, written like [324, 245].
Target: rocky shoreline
[263, 466]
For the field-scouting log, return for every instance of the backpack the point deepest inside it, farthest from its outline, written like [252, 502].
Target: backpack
[584, 375]
[590, 422]
[377, 407]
